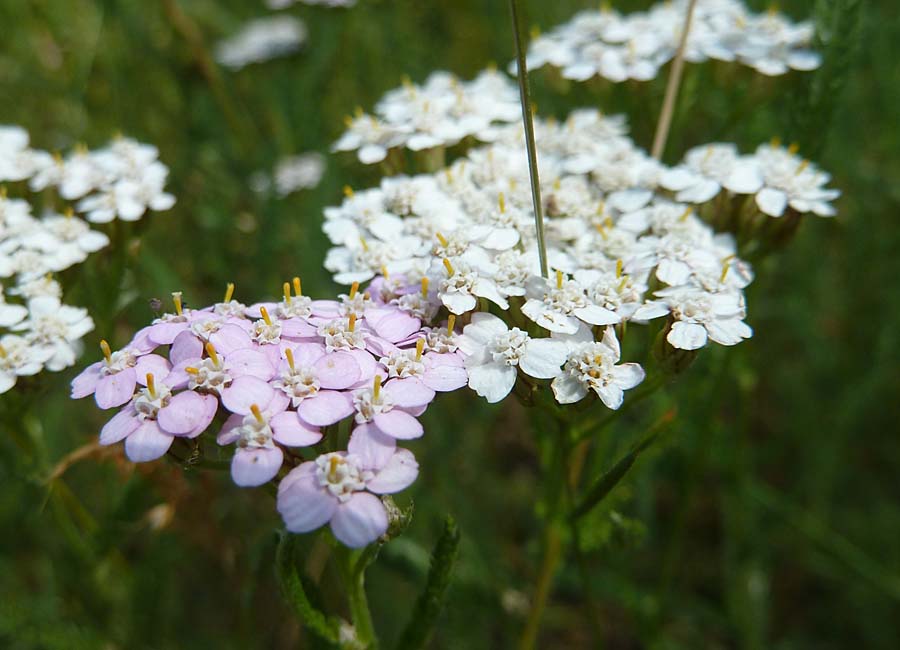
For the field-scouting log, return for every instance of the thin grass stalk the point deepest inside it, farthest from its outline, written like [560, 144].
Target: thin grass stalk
[668, 108]
[528, 120]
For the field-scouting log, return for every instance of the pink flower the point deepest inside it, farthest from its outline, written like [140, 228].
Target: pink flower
[149, 423]
[306, 371]
[112, 381]
[339, 489]
[239, 377]
[257, 458]
[391, 409]
[438, 372]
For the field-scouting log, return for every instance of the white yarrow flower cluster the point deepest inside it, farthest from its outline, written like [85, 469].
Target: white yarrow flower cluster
[261, 40]
[123, 180]
[624, 240]
[291, 174]
[439, 113]
[619, 47]
[776, 177]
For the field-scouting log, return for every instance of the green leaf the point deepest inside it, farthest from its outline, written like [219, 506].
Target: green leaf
[429, 605]
[325, 627]
[611, 478]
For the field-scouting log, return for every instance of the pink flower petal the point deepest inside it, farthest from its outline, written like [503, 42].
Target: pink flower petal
[305, 354]
[326, 308]
[326, 407]
[185, 346]
[165, 333]
[249, 362]
[303, 505]
[252, 467]
[398, 424]
[229, 338]
[211, 406]
[296, 328]
[367, 365]
[246, 391]
[289, 430]
[392, 324]
[337, 370]
[147, 443]
[445, 376]
[184, 413]
[141, 341]
[86, 382]
[373, 448]
[228, 433]
[360, 521]
[117, 389]
[178, 378]
[121, 424]
[408, 393]
[398, 474]
[254, 311]
[153, 364]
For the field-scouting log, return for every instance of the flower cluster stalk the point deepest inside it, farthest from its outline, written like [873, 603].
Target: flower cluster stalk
[527, 119]
[665, 117]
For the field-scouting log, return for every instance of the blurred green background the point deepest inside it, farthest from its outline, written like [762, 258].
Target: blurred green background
[768, 519]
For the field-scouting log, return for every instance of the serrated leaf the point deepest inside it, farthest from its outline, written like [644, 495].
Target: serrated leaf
[429, 604]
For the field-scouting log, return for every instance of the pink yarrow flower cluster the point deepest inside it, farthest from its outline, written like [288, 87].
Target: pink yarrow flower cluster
[279, 376]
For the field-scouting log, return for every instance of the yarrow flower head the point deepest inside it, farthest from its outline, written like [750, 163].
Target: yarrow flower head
[439, 113]
[635, 46]
[281, 376]
[261, 40]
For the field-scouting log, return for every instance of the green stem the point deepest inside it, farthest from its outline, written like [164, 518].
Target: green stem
[354, 583]
[528, 120]
[564, 470]
[549, 565]
[665, 116]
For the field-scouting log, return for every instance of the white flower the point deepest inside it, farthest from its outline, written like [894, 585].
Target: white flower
[494, 352]
[18, 358]
[462, 287]
[67, 240]
[594, 366]
[56, 330]
[295, 173]
[261, 40]
[707, 169]
[636, 45]
[699, 315]
[559, 304]
[440, 112]
[792, 181]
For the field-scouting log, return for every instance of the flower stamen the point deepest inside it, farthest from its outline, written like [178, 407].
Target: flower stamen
[107, 353]
[420, 346]
[211, 351]
[289, 354]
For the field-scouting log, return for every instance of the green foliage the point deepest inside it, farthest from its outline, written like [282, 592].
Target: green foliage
[326, 628]
[770, 520]
[428, 607]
